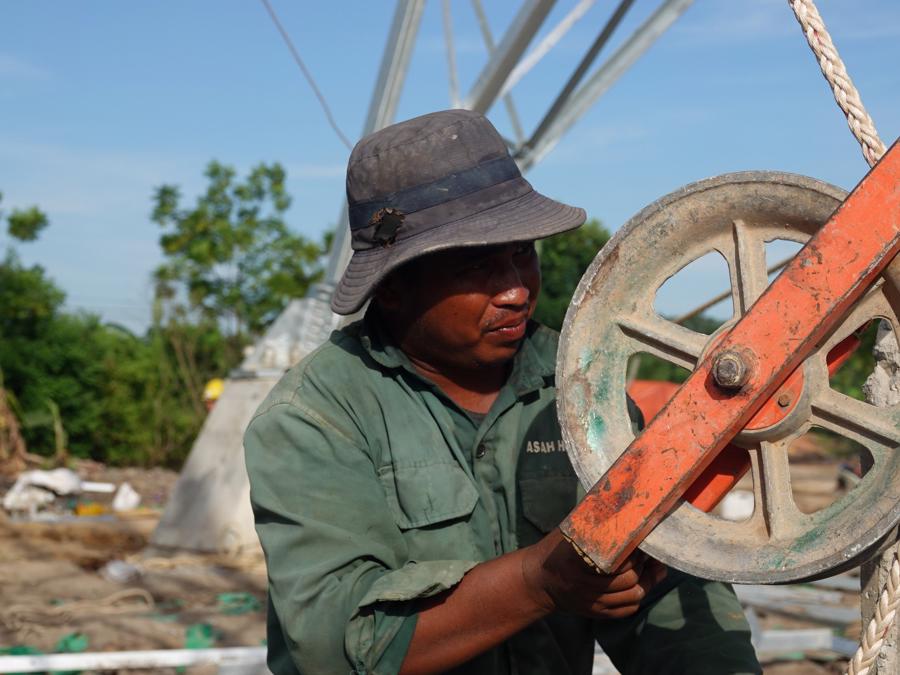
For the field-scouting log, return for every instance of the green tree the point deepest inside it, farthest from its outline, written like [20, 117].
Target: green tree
[851, 376]
[231, 257]
[82, 388]
[564, 259]
[27, 296]
[25, 224]
[28, 299]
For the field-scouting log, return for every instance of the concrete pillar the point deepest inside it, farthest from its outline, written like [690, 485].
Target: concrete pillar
[882, 388]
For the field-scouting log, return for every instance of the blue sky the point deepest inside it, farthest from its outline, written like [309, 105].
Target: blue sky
[103, 101]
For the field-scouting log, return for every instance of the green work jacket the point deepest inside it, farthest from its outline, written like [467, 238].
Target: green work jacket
[372, 490]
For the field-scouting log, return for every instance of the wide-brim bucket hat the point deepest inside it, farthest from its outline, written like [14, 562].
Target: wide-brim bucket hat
[440, 181]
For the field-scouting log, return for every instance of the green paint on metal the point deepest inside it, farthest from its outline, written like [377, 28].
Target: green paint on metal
[576, 396]
[601, 391]
[808, 540]
[596, 431]
[586, 360]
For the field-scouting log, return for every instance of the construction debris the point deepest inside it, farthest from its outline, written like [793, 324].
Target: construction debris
[126, 498]
[36, 490]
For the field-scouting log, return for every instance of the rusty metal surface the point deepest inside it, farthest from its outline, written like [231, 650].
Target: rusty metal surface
[612, 317]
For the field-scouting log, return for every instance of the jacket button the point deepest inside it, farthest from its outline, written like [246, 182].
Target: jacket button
[480, 451]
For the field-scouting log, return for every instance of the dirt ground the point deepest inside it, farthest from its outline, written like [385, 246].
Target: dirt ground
[55, 582]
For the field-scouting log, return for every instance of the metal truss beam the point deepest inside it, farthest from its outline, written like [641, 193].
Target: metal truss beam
[502, 61]
[581, 101]
[383, 107]
[576, 77]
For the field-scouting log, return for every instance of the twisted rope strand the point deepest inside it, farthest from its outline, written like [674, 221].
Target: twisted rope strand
[26, 618]
[863, 128]
[885, 613]
[835, 72]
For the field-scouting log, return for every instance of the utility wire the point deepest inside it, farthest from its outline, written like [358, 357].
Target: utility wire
[306, 74]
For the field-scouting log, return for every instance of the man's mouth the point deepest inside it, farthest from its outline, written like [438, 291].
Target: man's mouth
[511, 329]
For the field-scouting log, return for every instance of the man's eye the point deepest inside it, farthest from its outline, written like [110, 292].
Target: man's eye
[524, 249]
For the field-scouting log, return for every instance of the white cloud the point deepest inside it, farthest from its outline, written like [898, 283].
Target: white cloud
[862, 21]
[12, 67]
[726, 22]
[83, 182]
[582, 144]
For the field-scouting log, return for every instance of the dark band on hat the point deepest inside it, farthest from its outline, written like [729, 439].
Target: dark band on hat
[437, 192]
[435, 217]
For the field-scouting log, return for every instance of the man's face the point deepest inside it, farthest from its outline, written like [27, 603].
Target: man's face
[467, 307]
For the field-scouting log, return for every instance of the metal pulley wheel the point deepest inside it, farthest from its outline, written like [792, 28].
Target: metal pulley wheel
[612, 318]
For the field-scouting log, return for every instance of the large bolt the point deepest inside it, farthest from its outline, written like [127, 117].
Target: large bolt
[730, 370]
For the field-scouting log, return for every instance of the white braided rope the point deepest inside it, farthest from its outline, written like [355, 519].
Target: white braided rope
[885, 613]
[863, 128]
[833, 69]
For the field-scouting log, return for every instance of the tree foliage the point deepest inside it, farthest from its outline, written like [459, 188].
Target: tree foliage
[25, 224]
[103, 392]
[231, 257]
[27, 298]
[231, 265]
[564, 259]
[120, 398]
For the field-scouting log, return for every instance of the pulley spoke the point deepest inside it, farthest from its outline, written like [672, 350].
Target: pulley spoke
[875, 428]
[871, 307]
[664, 339]
[772, 488]
[747, 265]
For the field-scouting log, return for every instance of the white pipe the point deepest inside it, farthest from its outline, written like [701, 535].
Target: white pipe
[161, 658]
[91, 486]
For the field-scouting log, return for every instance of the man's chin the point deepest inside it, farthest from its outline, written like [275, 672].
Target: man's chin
[499, 355]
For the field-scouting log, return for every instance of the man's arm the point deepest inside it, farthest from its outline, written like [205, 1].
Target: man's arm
[333, 550]
[335, 556]
[498, 598]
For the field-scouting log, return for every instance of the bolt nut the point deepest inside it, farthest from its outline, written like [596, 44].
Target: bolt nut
[785, 400]
[730, 370]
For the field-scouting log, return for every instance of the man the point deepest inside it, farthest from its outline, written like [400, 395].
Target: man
[408, 476]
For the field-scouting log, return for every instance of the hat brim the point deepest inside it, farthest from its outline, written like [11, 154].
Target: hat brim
[526, 218]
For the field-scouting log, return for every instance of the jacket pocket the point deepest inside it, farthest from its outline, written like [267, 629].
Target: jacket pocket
[424, 494]
[547, 500]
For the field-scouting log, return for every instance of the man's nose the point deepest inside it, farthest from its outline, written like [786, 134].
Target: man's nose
[511, 289]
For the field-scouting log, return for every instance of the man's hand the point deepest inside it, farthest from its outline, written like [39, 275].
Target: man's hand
[562, 581]
[500, 597]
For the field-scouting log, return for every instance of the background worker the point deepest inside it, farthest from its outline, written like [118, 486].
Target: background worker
[407, 477]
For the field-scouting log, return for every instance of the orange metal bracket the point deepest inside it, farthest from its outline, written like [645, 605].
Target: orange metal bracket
[800, 307]
[733, 462]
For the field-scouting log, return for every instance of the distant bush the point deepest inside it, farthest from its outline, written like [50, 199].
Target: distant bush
[121, 398]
